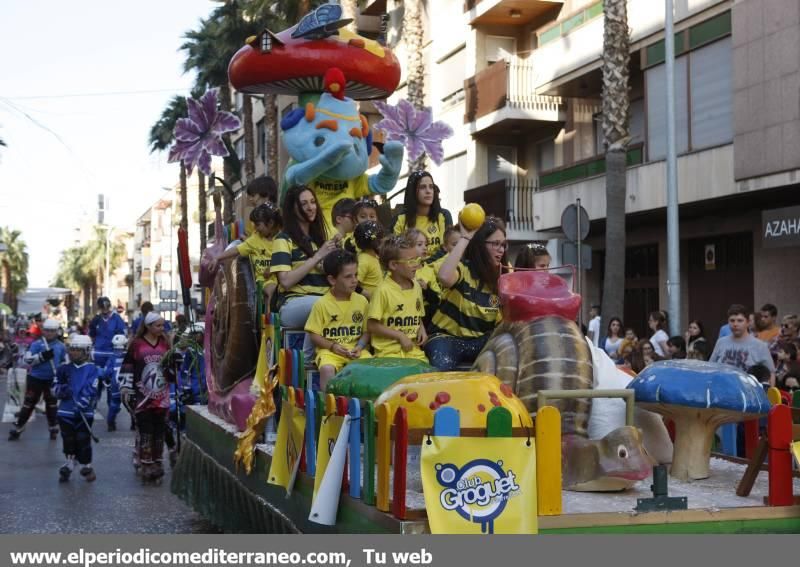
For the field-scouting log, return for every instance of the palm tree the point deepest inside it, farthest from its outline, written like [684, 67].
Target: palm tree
[162, 136]
[616, 109]
[413, 33]
[14, 265]
[83, 267]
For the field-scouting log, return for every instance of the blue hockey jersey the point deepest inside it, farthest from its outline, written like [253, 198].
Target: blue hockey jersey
[43, 369]
[103, 330]
[76, 389]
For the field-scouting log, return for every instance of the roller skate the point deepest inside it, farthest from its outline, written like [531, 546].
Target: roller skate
[87, 472]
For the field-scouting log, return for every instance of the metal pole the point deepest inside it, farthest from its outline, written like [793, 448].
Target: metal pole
[673, 234]
[109, 229]
[171, 252]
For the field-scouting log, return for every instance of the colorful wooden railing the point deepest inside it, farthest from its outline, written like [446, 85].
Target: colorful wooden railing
[379, 441]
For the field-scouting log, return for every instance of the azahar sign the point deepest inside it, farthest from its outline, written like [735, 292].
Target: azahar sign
[780, 227]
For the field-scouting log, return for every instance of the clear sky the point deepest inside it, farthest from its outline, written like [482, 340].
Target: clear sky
[51, 50]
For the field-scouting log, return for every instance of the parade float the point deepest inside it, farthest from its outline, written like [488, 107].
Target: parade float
[542, 435]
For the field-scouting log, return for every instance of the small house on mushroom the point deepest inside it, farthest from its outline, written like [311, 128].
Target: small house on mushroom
[698, 397]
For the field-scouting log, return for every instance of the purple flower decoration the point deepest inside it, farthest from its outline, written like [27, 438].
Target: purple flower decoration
[199, 136]
[414, 128]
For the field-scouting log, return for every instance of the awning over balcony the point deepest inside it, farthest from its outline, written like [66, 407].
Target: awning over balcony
[509, 12]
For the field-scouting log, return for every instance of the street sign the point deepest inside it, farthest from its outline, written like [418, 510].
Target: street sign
[168, 306]
[569, 254]
[168, 294]
[570, 225]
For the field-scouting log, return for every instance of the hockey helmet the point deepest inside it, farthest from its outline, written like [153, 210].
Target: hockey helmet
[80, 342]
[103, 303]
[119, 341]
[51, 325]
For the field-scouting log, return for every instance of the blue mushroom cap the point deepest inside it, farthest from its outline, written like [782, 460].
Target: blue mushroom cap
[701, 385]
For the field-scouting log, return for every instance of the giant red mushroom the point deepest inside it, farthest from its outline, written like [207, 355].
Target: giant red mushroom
[282, 64]
[698, 397]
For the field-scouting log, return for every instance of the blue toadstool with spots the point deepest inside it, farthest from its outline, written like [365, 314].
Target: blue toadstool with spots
[698, 397]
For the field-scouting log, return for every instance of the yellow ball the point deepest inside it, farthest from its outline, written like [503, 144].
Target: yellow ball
[472, 216]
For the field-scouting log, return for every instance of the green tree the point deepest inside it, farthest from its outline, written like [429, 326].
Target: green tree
[14, 262]
[83, 267]
[616, 109]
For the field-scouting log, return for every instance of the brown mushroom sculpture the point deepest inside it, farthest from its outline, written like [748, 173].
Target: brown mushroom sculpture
[698, 397]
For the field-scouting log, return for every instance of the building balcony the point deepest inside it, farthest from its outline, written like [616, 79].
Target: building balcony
[509, 12]
[702, 175]
[511, 201]
[505, 91]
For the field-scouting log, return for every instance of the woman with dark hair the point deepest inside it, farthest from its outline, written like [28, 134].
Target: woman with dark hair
[658, 324]
[643, 356]
[613, 340]
[297, 252]
[696, 343]
[422, 210]
[470, 307]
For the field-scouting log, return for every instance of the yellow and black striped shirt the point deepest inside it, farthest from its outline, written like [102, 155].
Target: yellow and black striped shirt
[287, 256]
[468, 309]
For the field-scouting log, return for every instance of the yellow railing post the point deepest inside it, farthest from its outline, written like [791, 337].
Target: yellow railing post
[548, 461]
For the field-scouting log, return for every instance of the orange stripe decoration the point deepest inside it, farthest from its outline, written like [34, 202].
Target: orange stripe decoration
[329, 124]
[364, 126]
[548, 461]
[400, 463]
[383, 450]
[355, 132]
[310, 111]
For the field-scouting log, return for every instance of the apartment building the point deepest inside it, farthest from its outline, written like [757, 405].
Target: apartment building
[154, 255]
[520, 83]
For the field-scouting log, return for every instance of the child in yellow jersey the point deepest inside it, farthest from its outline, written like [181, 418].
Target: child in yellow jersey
[266, 219]
[368, 238]
[336, 322]
[259, 191]
[396, 309]
[342, 217]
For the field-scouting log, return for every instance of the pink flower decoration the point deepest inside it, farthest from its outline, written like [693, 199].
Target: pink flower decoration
[199, 136]
[414, 128]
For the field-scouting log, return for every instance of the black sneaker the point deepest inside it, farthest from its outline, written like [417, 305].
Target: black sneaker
[63, 473]
[14, 434]
[53, 433]
[112, 426]
[88, 474]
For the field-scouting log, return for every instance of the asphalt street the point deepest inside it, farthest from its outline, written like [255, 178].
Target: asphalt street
[32, 501]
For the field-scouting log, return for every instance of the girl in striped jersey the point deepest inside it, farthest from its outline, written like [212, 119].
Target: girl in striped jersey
[297, 252]
[423, 210]
[470, 307]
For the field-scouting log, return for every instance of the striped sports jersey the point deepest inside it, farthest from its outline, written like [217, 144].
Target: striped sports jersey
[287, 256]
[468, 309]
[329, 191]
[340, 321]
[434, 231]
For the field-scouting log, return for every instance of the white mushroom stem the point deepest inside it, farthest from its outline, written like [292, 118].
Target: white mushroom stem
[694, 436]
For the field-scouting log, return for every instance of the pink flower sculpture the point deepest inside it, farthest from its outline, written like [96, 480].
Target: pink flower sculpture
[414, 128]
[199, 136]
